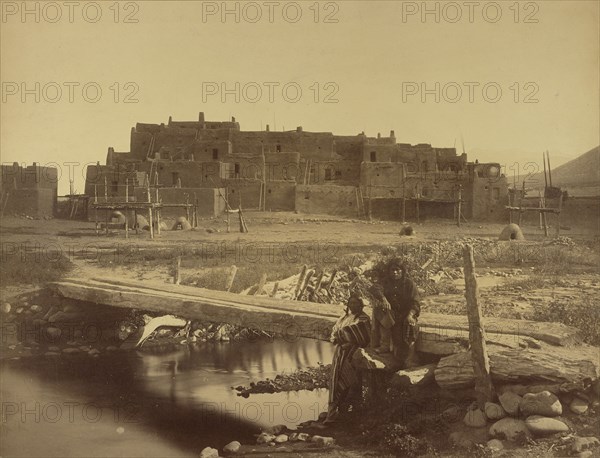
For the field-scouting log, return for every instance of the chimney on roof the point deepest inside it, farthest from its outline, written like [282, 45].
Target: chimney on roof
[392, 134]
[233, 119]
[299, 129]
[201, 116]
[378, 134]
[170, 120]
[267, 128]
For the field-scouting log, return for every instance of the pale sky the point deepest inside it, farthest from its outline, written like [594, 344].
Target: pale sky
[375, 54]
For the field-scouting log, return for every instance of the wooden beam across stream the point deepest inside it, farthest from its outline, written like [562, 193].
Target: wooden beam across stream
[291, 319]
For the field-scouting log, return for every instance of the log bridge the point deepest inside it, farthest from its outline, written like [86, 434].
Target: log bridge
[520, 351]
[440, 334]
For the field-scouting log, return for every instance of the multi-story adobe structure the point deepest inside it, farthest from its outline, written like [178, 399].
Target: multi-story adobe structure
[311, 172]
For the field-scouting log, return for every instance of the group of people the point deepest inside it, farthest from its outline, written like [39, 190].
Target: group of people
[394, 329]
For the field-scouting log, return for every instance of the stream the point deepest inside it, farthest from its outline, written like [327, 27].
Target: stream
[168, 404]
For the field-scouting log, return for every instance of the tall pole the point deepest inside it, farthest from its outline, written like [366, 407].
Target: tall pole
[549, 168]
[403, 193]
[126, 208]
[96, 208]
[545, 177]
[150, 222]
[459, 205]
[479, 355]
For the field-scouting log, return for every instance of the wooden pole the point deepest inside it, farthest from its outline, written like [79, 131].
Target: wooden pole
[177, 279]
[331, 280]
[195, 217]
[317, 286]
[309, 275]
[230, 278]
[479, 355]
[150, 222]
[459, 205]
[261, 285]
[275, 289]
[545, 177]
[126, 208]
[95, 209]
[403, 194]
[300, 280]
[560, 202]
[521, 204]
[549, 167]
[187, 208]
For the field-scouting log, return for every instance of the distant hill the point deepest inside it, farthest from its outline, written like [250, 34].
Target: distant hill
[580, 176]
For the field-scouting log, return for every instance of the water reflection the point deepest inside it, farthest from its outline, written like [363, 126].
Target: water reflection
[169, 404]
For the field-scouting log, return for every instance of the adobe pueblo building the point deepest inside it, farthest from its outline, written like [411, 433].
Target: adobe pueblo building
[208, 162]
[28, 190]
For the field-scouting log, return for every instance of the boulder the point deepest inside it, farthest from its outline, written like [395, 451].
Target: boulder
[6, 307]
[232, 448]
[281, 438]
[209, 452]
[275, 430]
[544, 426]
[596, 387]
[495, 444]
[543, 403]
[584, 443]
[510, 429]
[494, 411]
[578, 406]
[467, 438]
[510, 402]
[323, 441]
[53, 333]
[303, 437]
[451, 414]
[475, 418]
[265, 438]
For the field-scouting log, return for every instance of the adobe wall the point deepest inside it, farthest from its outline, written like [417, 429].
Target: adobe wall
[391, 209]
[325, 199]
[283, 166]
[280, 196]
[208, 201]
[29, 177]
[343, 173]
[249, 190]
[311, 145]
[38, 202]
[486, 199]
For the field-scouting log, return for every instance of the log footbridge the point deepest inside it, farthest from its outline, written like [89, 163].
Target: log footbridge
[520, 351]
[440, 334]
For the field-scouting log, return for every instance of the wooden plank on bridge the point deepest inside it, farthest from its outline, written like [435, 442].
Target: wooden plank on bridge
[305, 319]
